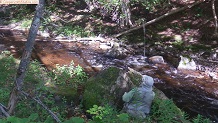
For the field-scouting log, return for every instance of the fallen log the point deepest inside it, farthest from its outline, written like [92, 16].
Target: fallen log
[158, 18]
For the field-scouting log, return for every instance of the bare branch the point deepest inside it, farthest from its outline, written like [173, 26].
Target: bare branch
[215, 17]
[3, 110]
[55, 117]
[159, 18]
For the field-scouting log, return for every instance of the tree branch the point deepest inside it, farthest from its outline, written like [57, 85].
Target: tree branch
[3, 110]
[55, 117]
[215, 17]
[159, 18]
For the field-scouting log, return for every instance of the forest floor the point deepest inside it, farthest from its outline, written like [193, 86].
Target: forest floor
[194, 26]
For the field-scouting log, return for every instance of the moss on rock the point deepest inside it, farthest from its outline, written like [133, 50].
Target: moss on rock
[97, 88]
[109, 86]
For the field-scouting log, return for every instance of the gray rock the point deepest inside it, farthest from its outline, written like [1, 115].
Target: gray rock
[156, 59]
[105, 46]
[117, 52]
[186, 63]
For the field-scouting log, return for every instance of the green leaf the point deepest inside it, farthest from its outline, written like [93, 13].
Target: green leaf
[75, 120]
[33, 117]
[124, 117]
[14, 119]
[3, 121]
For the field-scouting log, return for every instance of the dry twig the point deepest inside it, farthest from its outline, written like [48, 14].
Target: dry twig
[55, 117]
[3, 110]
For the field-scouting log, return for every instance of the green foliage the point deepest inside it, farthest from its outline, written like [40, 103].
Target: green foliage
[135, 78]
[26, 23]
[69, 75]
[179, 45]
[31, 119]
[33, 84]
[75, 120]
[26, 107]
[200, 119]
[52, 8]
[197, 47]
[35, 75]
[34, 81]
[5, 92]
[165, 111]
[199, 12]
[19, 13]
[107, 114]
[123, 117]
[99, 112]
[7, 70]
[69, 30]
[151, 4]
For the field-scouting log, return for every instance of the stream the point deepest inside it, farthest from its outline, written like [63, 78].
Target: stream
[193, 91]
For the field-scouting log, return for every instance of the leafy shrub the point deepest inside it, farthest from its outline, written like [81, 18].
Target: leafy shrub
[26, 23]
[165, 111]
[200, 119]
[107, 114]
[75, 120]
[69, 30]
[7, 72]
[14, 119]
[69, 75]
[33, 118]
[151, 5]
[99, 112]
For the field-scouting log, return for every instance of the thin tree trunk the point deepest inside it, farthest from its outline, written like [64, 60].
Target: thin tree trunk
[215, 17]
[157, 19]
[25, 57]
[126, 14]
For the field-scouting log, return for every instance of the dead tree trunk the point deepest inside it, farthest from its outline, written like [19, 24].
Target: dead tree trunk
[215, 18]
[25, 57]
[126, 14]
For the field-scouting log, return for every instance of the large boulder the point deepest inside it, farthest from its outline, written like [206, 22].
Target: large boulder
[97, 88]
[109, 86]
